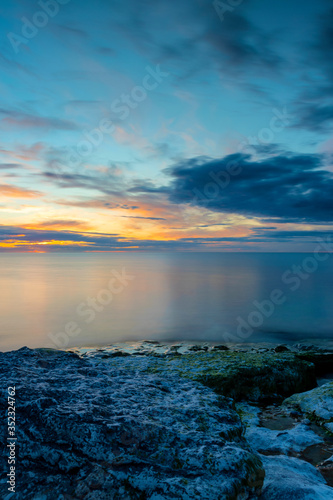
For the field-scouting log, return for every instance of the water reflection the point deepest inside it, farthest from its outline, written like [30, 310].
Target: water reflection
[196, 296]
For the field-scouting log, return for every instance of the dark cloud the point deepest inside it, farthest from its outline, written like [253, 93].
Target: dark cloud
[88, 241]
[105, 182]
[288, 187]
[315, 116]
[314, 106]
[211, 225]
[31, 239]
[140, 217]
[292, 235]
[235, 46]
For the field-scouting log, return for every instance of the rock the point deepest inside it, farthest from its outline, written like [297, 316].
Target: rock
[294, 479]
[306, 421]
[323, 360]
[281, 348]
[114, 354]
[305, 347]
[326, 469]
[220, 347]
[195, 348]
[249, 376]
[316, 404]
[106, 429]
[295, 414]
[287, 442]
[176, 346]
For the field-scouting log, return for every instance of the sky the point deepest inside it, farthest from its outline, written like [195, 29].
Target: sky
[165, 125]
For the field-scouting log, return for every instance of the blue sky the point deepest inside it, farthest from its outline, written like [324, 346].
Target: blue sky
[117, 117]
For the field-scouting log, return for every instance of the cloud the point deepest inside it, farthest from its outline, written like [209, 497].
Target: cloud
[140, 217]
[61, 224]
[235, 46]
[314, 116]
[64, 31]
[18, 192]
[96, 203]
[26, 153]
[285, 186]
[314, 108]
[21, 119]
[104, 182]
[9, 166]
[14, 238]
[47, 240]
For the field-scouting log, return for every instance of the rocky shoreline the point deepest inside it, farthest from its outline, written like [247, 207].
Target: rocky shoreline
[157, 421]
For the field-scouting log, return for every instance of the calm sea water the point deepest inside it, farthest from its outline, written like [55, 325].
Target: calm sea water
[65, 300]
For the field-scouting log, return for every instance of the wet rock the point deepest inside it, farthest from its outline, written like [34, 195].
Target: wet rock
[105, 429]
[326, 469]
[286, 440]
[316, 404]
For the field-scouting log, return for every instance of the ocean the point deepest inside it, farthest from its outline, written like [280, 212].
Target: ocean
[96, 299]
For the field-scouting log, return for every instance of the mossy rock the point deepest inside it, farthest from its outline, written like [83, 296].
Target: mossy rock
[316, 404]
[239, 375]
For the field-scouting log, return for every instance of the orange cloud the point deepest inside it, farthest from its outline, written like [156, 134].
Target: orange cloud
[18, 192]
[62, 225]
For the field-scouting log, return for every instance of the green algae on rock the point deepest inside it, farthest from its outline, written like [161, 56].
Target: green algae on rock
[243, 375]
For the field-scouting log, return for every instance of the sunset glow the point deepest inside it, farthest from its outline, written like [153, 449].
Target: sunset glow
[188, 141]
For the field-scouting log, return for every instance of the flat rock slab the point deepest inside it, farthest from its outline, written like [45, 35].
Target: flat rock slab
[96, 430]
